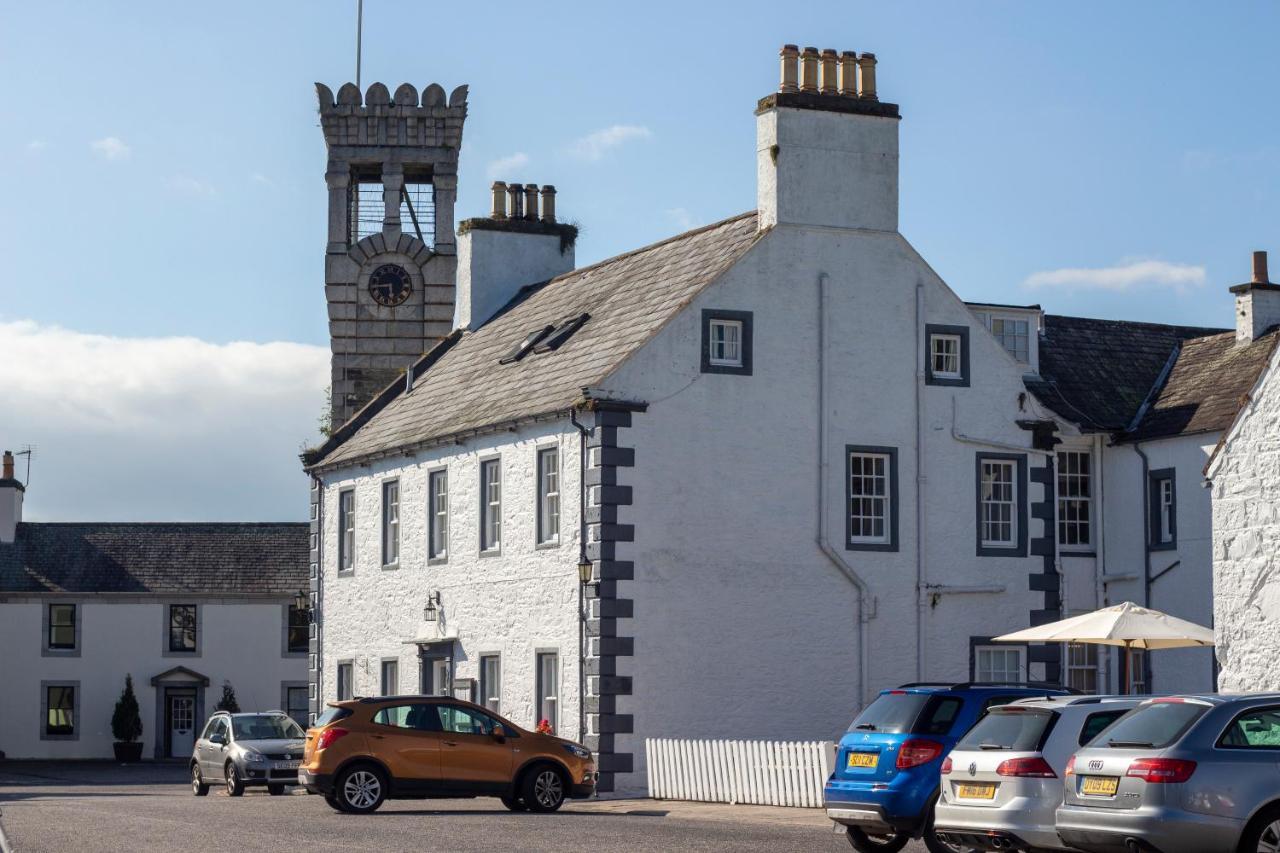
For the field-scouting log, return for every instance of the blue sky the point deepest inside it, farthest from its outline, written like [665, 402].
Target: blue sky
[163, 176]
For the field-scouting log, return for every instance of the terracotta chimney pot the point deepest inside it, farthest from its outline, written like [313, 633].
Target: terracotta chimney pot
[1260, 268]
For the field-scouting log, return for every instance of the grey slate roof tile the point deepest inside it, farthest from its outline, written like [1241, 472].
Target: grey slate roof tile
[629, 297]
[163, 558]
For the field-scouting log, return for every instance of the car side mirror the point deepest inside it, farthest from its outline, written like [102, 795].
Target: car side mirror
[217, 738]
[499, 733]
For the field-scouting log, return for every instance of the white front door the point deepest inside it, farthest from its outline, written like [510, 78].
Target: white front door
[440, 677]
[182, 726]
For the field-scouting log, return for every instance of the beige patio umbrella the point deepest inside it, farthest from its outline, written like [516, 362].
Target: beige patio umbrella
[1126, 625]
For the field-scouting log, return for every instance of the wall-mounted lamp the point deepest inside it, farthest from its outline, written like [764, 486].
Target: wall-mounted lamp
[584, 571]
[302, 602]
[432, 611]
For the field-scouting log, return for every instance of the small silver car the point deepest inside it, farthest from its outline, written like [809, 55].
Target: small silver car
[1179, 774]
[238, 750]
[1003, 781]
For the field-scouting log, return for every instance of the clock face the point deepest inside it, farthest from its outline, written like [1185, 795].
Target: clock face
[390, 285]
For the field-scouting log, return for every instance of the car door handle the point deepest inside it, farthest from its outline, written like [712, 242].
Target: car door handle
[377, 737]
[450, 743]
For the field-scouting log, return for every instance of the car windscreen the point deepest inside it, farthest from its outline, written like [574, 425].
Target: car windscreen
[1018, 730]
[1150, 726]
[892, 712]
[265, 727]
[331, 715]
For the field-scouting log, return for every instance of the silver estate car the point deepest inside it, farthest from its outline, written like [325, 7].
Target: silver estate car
[238, 750]
[1179, 774]
[1003, 781]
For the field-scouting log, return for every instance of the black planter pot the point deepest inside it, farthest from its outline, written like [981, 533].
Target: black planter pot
[127, 752]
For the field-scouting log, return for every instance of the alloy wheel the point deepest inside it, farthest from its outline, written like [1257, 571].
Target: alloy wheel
[1269, 839]
[548, 789]
[362, 789]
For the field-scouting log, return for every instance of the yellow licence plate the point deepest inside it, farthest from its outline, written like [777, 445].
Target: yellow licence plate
[1099, 786]
[975, 792]
[863, 759]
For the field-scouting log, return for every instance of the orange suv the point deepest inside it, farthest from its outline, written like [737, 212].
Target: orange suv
[362, 751]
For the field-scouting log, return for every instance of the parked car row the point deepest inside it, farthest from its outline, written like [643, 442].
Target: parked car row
[1035, 768]
[362, 752]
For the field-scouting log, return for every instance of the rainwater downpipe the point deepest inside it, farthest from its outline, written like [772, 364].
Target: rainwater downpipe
[865, 601]
[921, 580]
[1146, 560]
[583, 432]
[318, 607]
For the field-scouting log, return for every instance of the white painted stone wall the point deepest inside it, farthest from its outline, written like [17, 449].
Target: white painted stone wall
[241, 641]
[1246, 544]
[518, 603]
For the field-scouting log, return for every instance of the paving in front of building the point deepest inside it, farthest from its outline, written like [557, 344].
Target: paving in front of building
[101, 806]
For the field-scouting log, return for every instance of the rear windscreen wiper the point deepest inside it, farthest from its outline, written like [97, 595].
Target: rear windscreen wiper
[993, 746]
[1137, 744]
[871, 727]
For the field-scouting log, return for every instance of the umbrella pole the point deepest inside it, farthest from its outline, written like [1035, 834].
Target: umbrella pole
[1128, 668]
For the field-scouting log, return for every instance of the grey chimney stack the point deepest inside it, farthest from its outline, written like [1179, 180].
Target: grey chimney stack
[1257, 303]
[11, 492]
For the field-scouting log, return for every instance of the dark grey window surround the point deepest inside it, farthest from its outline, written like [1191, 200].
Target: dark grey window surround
[490, 550]
[285, 687]
[287, 612]
[1154, 479]
[348, 682]
[552, 541]
[385, 524]
[346, 553]
[45, 649]
[485, 686]
[76, 701]
[382, 676]
[962, 332]
[1020, 479]
[892, 453]
[744, 317]
[169, 651]
[435, 554]
[975, 642]
[540, 688]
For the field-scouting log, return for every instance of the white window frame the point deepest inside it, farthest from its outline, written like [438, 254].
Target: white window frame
[1082, 658]
[548, 472]
[1014, 335]
[1138, 671]
[344, 680]
[860, 499]
[1072, 501]
[548, 688]
[491, 682]
[725, 345]
[490, 505]
[390, 686]
[438, 514]
[992, 650]
[953, 352]
[1167, 506]
[346, 530]
[989, 503]
[391, 523]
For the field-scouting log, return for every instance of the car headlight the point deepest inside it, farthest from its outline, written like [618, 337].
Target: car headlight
[253, 756]
[576, 751]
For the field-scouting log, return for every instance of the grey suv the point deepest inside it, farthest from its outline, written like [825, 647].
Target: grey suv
[1180, 774]
[238, 750]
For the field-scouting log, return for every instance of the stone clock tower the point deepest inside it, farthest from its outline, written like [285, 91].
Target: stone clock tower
[391, 256]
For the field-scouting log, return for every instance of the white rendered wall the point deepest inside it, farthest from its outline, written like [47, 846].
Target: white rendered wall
[1246, 544]
[742, 627]
[240, 641]
[494, 265]
[516, 604]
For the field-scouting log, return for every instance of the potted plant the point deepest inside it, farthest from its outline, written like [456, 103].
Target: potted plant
[126, 725]
[228, 701]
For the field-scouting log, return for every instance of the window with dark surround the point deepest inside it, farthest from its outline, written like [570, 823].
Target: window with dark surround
[1001, 504]
[182, 628]
[299, 629]
[62, 627]
[1162, 507]
[60, 710]
[346, 530]
[946, 355]
[871, 498]
[726, 342]
[391, 522]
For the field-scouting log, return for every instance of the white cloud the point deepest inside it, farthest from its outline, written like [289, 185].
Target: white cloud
[159, 428]
[682, 218]
[1127, 275]
[594, 146]
[192, 186]
[111, 148]
[502, 168]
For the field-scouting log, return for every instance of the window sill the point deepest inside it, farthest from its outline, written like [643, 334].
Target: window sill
[871, 546]
[1000, 551]
[346, 573]
[1165, 546]
[294, 654]
[946, 382]
[390, 567]
[172, 654]
[1072, 552]
[549, 545]
[59, 653]
[443, 559]
[492, 552]
[45, 736]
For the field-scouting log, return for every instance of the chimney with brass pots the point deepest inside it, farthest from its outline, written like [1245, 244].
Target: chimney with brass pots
[826, 145]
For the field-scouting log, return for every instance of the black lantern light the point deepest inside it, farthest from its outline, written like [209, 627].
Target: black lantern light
[584, 571]
[432, 611]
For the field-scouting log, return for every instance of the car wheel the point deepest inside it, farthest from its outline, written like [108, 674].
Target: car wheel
[887, 841]
[275, 790]
[515, 804]
[334, 802]
[361, 789]
[235, 785]
[1263, 834]
[543, 789]
[198, 786]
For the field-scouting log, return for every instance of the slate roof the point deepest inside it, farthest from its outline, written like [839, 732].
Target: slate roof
[1206, 386]
[164, 558]
[1098, 373]
[629, 298]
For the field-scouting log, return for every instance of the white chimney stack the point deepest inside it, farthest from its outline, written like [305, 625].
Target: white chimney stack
[826, 146]
[1257, 303]
[11, 491]
[515, 246]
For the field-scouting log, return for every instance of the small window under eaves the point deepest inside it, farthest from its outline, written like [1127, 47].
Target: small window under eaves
[561, 334]
[527, 344]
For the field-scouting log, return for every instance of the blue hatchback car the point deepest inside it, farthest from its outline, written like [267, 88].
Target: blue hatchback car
[887, 775]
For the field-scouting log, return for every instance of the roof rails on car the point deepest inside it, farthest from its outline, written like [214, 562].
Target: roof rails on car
[965, 685]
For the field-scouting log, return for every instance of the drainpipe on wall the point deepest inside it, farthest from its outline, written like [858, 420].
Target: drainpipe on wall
[865, 601]
[583, 432]
[921, 580]
[1146, 559]
[1100, 561]
[317, 608]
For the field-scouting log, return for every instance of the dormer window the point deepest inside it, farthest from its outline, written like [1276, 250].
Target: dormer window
[946, 355]
[1013, 333]
[726, 342]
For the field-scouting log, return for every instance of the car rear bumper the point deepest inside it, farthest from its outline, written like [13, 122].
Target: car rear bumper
[1158, 830]
[993, 828]
[869, 816]
[316, 783]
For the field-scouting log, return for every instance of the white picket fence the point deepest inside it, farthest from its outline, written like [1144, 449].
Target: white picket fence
[765, 773]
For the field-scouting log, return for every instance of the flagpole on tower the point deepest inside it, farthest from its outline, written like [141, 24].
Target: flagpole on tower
[359, 36]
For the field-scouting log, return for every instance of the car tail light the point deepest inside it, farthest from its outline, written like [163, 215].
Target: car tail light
[328, 736]
[1158, 770]
[917, 751]
[1071, 766]
[946, 765]
[1034, 768]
